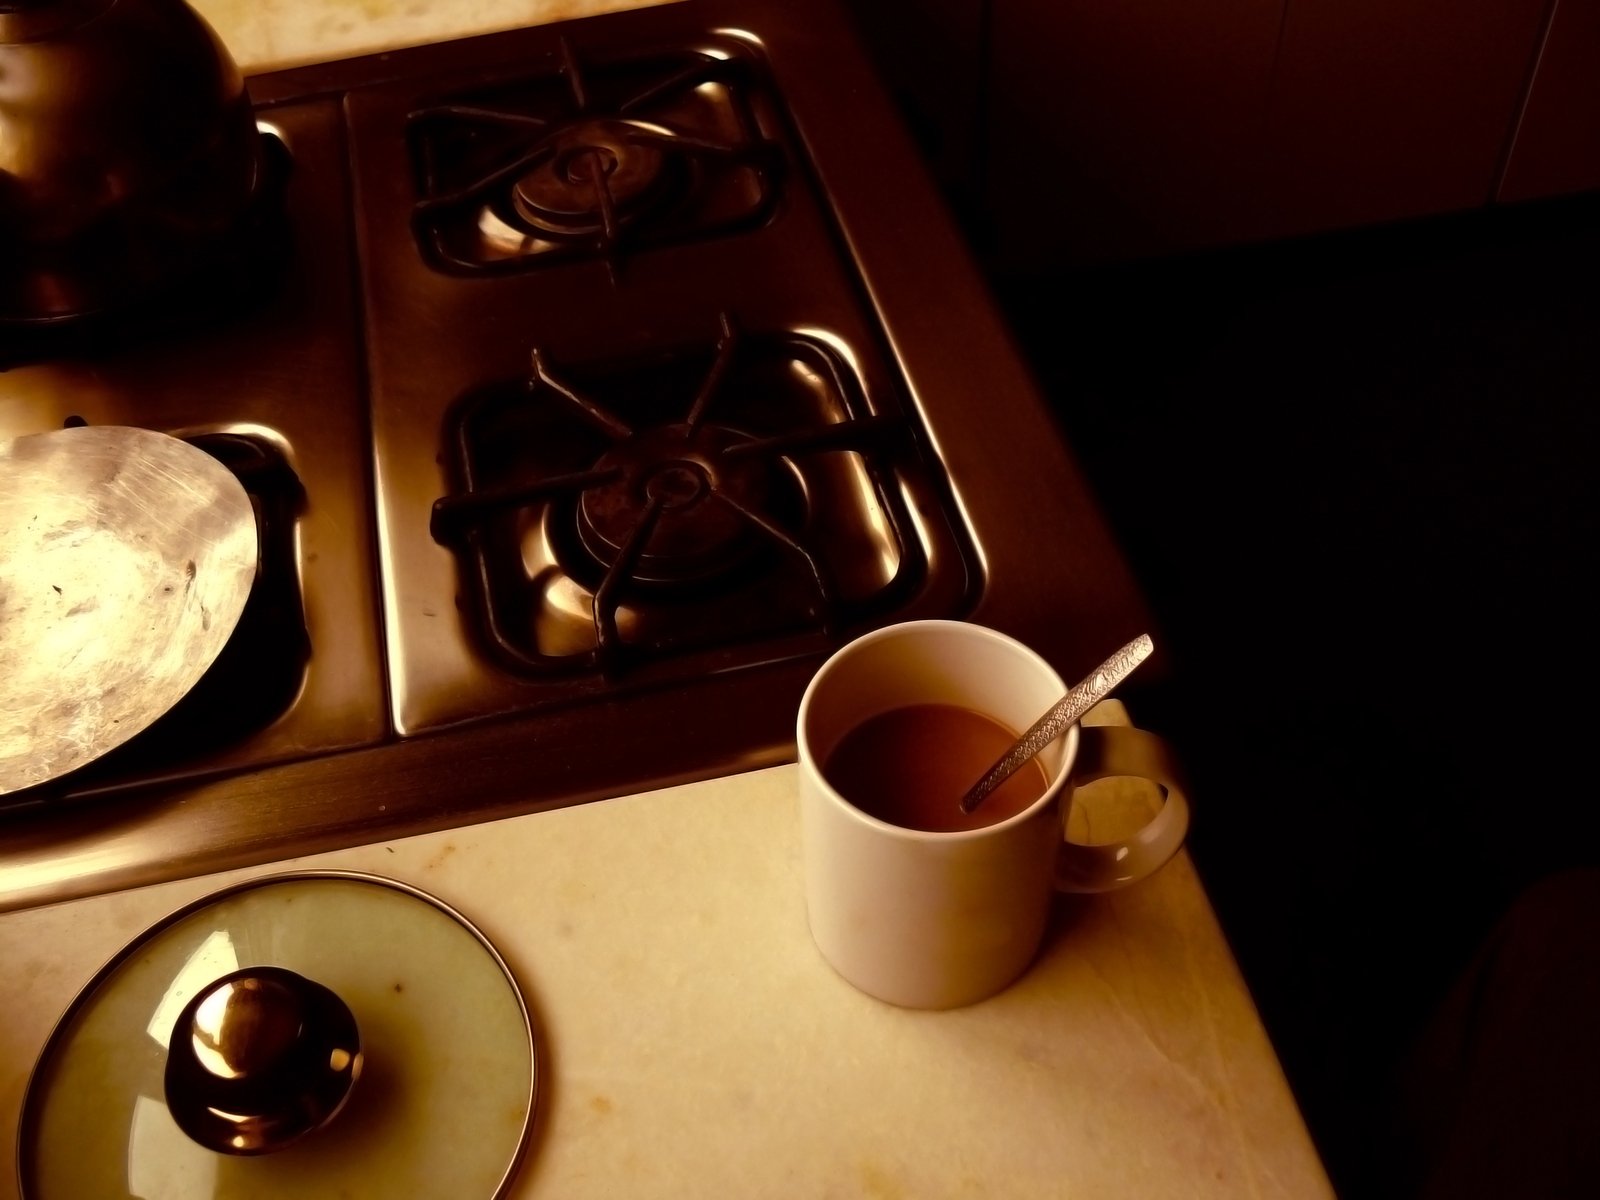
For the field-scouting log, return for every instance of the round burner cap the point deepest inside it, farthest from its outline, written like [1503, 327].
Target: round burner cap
[445, 1100]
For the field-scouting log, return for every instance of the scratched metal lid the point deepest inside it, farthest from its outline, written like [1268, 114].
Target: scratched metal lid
[126, 559]
[444, 1101]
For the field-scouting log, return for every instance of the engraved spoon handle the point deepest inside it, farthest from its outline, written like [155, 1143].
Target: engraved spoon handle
[1061, 716]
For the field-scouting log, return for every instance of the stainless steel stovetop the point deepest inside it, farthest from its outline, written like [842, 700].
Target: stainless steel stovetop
[611, 374]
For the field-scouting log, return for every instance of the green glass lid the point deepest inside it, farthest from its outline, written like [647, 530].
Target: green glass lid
[430, 1094]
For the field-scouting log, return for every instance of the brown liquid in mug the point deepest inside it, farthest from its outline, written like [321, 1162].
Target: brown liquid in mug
[910, 767]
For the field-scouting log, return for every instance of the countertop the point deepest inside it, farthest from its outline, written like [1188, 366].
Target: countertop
[265, 35]
[693, 1042]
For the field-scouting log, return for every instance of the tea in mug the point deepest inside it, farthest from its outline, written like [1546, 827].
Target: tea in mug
[910, 767]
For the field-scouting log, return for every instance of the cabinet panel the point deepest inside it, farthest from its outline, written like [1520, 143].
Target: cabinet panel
[1144, 126]
[1557, 148]
[1384, 109]
[1122, 127]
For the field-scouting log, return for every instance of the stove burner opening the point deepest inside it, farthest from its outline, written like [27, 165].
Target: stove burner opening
[596, 176]
[697, 495]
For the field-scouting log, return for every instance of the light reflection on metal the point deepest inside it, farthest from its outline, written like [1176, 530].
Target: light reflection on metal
[563, 614]
[259, 1059]
[244, 429]
[833, 341]
[212, 959]
[36, 400]
[743, 35]
[807, 375]
[502, 236]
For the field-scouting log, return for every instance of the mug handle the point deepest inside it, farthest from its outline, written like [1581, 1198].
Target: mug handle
[1121, 750]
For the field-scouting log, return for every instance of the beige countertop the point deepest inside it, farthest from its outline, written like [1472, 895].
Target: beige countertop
[694, 1043]
[264, 35]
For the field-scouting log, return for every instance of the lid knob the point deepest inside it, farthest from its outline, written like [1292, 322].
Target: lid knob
[260, 1058]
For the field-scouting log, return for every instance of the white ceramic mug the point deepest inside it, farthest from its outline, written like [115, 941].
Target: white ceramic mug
[937, 920]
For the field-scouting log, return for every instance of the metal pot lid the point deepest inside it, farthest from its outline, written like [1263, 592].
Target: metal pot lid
[126, 558]
[445, 1097]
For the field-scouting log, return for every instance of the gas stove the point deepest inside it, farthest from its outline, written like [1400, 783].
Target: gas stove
[610, 374]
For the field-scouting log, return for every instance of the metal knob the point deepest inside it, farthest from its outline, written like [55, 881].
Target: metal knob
[259, 1059]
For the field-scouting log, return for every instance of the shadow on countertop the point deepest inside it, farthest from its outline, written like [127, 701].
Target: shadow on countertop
[1357, 477]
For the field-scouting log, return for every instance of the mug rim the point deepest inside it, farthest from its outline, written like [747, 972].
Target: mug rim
[807, 760]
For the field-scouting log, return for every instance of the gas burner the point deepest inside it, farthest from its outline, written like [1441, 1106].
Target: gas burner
[595, 176]
[598, 534]
[591, 161]
[683, 493]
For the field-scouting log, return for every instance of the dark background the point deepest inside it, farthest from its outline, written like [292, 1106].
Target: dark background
[1329, 352]
[1355, 476]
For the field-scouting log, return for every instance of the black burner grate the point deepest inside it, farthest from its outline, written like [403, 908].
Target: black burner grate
[591, 161]
[705, 498]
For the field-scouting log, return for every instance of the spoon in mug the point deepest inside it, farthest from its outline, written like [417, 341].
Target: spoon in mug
[1063, 713]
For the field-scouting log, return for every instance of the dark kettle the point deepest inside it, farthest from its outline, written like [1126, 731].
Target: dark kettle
[129, 154]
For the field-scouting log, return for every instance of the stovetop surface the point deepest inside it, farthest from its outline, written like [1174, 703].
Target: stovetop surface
[616, 372]
[705, 364]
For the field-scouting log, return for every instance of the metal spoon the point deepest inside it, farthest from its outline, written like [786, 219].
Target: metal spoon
[259, 1059]
[1063, 713]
